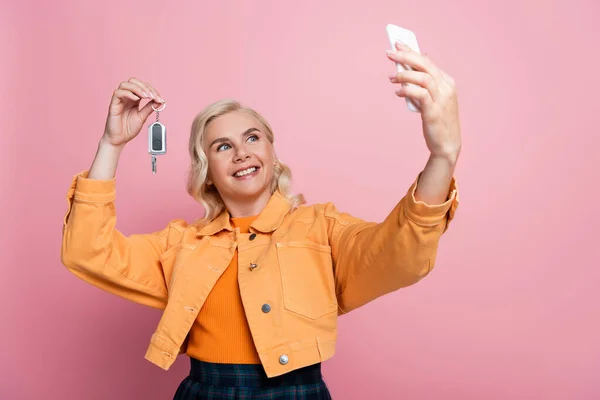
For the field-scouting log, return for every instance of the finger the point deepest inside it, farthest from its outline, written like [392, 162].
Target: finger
[156, 93]
[134, 88]
[447, 86]
[417, 78]
[416, 93]
[416, 61]
[450, 81]
[144, 87]
[120, 95]
[146, 111]
[447, 78]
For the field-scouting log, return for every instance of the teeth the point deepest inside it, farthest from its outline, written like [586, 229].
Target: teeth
[246, 171]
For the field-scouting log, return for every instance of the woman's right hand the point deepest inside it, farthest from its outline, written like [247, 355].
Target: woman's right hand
[125, 119]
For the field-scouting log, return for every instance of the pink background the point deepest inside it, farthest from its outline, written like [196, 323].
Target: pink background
[511, 311]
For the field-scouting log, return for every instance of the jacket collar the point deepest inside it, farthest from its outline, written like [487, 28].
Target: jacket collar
[269, 219]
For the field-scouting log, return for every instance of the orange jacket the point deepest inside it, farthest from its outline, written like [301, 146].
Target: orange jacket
[309, 265]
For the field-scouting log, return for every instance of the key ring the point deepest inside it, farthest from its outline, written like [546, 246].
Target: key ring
[159, 109]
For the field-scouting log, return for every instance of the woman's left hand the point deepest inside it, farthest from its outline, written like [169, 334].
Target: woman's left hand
[436, 92]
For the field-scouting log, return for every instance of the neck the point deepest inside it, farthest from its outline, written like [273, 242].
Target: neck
[247, 207]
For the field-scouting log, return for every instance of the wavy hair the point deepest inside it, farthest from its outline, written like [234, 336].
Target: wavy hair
[207, 195]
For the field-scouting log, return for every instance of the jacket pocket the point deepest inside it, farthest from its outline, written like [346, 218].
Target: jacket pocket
[307, 278]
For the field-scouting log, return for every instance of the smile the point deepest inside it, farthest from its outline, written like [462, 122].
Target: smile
[245, 172]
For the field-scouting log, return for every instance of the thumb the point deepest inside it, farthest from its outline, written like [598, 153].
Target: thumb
[147, 109]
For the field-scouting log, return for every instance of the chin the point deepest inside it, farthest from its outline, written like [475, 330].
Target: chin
[248, 189]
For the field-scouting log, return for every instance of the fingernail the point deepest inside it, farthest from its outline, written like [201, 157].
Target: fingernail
[161, 100]
[152, 94]
[400, 45]
[390, 52]
[145, 94]
[391, 77]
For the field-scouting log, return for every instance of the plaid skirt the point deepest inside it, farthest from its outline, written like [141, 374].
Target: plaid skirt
[250, 382]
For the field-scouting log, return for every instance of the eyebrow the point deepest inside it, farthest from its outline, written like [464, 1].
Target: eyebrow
[222, 139]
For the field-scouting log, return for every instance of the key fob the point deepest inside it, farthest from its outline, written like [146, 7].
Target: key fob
[157, 138]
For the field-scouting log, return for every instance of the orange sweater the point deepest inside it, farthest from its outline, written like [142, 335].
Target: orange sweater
[221, 333]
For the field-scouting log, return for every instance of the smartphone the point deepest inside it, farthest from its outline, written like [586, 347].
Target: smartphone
[406, 36]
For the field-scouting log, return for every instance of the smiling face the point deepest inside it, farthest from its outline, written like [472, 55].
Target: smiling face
[240, 161]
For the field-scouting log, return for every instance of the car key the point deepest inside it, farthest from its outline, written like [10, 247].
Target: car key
[157, 138]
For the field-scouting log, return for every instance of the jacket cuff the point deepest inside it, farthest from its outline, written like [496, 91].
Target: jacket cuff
[92, 190]
[425, 214]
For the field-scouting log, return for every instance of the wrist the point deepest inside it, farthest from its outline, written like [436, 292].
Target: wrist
[107, 146]
[449, 156]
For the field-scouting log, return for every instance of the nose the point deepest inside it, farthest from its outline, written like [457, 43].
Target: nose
[241, 154]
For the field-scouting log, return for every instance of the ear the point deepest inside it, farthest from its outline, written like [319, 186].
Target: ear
[207, 180]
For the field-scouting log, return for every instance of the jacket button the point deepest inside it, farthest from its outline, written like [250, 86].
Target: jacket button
[266, 308]
[253, 236]
[283, 359]
[252, 266]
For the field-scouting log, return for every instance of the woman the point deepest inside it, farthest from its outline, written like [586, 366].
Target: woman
[252, 291]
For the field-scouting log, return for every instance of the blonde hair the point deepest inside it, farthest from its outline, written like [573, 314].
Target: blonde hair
[207, 195]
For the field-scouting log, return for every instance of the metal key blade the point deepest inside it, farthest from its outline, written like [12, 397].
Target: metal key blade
[153, 164]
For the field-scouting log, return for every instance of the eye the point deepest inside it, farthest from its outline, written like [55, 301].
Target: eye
[252, 138]
[223, 147]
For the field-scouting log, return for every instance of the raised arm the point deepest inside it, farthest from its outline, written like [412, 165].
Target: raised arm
[136, 267]
[373, 259]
